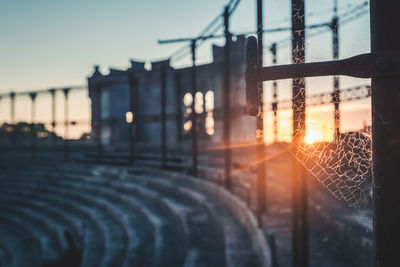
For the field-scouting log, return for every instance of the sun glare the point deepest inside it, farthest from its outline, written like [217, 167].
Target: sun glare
[312, 136]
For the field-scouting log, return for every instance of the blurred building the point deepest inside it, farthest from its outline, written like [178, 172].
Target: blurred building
[112, 93]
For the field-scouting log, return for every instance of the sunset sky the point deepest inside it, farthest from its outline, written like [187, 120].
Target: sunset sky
[49, 43]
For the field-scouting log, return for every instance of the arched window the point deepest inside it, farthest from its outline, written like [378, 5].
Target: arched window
[199, 103]
[209, 105]
[187, 101]
[209, 101]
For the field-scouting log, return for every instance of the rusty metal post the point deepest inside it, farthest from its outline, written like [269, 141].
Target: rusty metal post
[132, 99]
[163, 99]
[53, 114]
[194, 115]
[0, 98]
[33, 127]
[275, 94]
[226, 103]
[385, 36]
[299, 181]
[66, 124]
[261, 168]
[179, 119]
[336, 90]
[12, 119]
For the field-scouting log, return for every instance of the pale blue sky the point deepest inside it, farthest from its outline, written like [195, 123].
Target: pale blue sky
[48, 43]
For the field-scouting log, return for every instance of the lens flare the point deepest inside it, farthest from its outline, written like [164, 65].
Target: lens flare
[312, 136]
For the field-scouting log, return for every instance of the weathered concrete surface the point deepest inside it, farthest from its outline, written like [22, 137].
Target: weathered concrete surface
[122, 217]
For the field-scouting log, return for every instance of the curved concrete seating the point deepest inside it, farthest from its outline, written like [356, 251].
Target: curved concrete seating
[110, 221]
[120, 217]
[204, 239]
[22, 249]
[238, 247]
[54, 217]
[164, 223]
[93, 236]
[39, 226]
[258, 242]
[101, 198]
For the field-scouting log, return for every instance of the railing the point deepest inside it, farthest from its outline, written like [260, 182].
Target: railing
[383, 65]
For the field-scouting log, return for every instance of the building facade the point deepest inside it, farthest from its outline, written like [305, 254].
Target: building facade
[138, 90]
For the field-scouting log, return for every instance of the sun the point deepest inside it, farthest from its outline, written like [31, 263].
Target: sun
[312, 136]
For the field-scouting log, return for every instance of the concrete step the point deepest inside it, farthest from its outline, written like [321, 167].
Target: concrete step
[40, 226]
[239, 248]
[171, 236]
[21, 248]
[93, 230]
[111, 221]
[142, 216]
[202, 233]
[102, 194]
[237, 244]
[55, 218]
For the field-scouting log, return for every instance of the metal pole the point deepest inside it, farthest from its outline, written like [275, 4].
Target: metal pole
[14, 125]
[178, 86]
[194, 115]
[385, 36]
[66, 124]
[336, 90]
[261, 170]
[299, 182]
[53, 114]
[226, 102]
[99, 121]
[132, 88]
[33, 130]
[0, 98]
[163, 99]
[275, 95]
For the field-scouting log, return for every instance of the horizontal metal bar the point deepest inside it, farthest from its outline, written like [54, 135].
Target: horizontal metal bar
[215, 36]
[43, 91]
[190, 39]
[377, 65]
[380, 65]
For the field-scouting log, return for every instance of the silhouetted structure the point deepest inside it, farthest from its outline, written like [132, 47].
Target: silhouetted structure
[115, 101]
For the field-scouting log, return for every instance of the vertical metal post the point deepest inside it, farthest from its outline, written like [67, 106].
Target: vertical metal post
[385, 36]
[261, 170]
[132, 96]
[14, 124]
[99, 121]
[33, 127]
[299, 182]
[275, 94]
[0, 98]
[194, 115]
[53, 114]
[163, 98]
[178, 86]
[66, 124]
[336, 90]
[226, 102]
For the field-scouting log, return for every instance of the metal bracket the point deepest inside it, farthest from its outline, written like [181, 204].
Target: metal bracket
[371, 65]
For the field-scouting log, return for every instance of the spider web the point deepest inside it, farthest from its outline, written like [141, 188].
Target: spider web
[343, 166]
